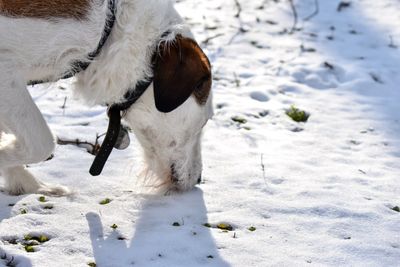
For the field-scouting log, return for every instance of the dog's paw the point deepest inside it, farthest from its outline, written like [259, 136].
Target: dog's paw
[20, 181]
[45, 189]
[53, 190]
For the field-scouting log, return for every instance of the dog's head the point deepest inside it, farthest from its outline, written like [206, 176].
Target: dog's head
[168, 119]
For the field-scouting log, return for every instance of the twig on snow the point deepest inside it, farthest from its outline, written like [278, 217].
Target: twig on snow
[239, 9]
[376, 78]
[237, 80]
[64, 105]
[241, 29]
[391, 44]
[342, 5]
[295, 17]
[263, 168]
[316, 11]
[206, 41]
[90, 147]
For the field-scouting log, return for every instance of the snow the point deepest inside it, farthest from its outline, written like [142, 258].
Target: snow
[318, 193]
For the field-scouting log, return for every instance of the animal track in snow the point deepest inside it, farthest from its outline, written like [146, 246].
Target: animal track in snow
[259, 96]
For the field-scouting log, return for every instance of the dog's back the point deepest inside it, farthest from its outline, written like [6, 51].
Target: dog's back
[41, 39]
[77, 9]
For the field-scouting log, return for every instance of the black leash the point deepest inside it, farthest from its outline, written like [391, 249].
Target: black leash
[115, 129]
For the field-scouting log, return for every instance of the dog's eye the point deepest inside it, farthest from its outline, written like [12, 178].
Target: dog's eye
[200, 83]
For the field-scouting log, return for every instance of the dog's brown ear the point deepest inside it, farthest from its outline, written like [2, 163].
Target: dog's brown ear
[180, 70]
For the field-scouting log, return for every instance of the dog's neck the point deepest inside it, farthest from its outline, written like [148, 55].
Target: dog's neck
[125, 58]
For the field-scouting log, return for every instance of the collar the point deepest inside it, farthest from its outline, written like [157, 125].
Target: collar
[83, 65]
[115, 131]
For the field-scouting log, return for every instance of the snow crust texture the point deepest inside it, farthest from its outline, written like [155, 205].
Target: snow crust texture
[322, 192]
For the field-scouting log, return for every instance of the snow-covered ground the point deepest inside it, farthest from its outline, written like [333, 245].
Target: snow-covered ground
[318, 193]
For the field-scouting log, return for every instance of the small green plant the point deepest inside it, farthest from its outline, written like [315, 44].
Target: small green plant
[29, 249]
[40, 238]
[105, 201]
[207, 225]
[114, 226]
[48, 207]
[31, 243]
[42, 199]
[252, 228]
[92, 264]
[23, 211]
[239, 120]
[225, 226]
[297, 115]
[43, 238]
[397, 208]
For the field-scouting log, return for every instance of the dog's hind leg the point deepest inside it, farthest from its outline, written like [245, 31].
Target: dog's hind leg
[32, 142]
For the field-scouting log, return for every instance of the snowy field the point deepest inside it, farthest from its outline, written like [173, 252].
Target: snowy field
[320, 193]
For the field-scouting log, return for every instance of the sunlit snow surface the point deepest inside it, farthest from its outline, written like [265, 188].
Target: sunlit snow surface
[318, 193]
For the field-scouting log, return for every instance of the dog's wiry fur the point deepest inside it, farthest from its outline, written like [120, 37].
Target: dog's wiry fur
[38, 49]
[76, 9]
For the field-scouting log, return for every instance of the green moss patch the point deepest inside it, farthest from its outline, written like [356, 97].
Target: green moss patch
[105, 201]
[225, 226]
[297, 115]
[30, 242]
[29, 249]
[251, 228]
[239, 119]
[39, 238]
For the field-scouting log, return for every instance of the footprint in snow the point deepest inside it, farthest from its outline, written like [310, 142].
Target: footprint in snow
[259, 96]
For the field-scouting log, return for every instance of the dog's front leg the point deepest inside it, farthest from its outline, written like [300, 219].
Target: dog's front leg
[20, 181]
[32, 143]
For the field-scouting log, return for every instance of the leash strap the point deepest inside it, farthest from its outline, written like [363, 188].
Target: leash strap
[114, 125]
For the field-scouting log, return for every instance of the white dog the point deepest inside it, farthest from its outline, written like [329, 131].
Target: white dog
[140, 44]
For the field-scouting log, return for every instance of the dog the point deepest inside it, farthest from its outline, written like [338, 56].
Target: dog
[123, 45]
